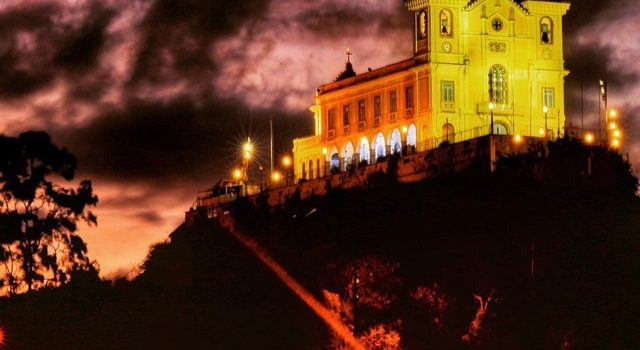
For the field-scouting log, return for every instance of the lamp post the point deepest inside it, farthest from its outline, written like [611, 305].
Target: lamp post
[545, 110]
[276, 177]
[404, 140]
[237, 175]
[324, 157]
[491, 107]
[492, 142]
[247, 154]
[286, 163]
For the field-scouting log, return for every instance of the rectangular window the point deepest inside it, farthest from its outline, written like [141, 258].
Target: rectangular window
[331, 119]
[547, 98]
[377, 109]
[361, 114]
[393, 102]
[408, 95]
[345, 115]
[346, 119]
[447, 91]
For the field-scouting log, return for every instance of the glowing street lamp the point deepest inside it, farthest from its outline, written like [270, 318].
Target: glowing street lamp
[613, 114]
[617, 134]
[276, 177]
[237, 174]
[589, 138]
[613, 126]
[404, 140]
[286, 163]
[615, 143]
[517, 138]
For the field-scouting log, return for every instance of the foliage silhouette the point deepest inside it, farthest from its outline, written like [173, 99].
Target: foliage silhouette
[38, 218]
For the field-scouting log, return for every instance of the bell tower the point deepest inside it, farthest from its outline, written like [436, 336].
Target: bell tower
[422, 28]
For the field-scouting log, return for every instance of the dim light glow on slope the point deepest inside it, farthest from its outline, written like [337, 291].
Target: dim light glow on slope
[336, 325]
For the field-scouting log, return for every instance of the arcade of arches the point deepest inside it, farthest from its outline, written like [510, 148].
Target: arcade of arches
[367, 150]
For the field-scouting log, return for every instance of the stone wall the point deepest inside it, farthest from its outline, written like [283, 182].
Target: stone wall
[446, 159]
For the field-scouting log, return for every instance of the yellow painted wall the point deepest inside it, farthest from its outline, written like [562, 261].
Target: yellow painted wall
[464, 55]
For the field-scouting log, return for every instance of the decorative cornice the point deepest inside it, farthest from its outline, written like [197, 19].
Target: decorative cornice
[415, 5]
[475, 3]
[547, 7]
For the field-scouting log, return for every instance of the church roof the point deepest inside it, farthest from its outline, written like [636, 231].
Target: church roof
[354, 79]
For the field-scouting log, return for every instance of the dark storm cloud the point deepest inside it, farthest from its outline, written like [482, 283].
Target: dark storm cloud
[36, 48]
[23, 66]
[173, 141]
[177, 35]
[336, 20]
[81, 48]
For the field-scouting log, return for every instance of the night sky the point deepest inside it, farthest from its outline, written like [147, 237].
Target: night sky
[155, 96]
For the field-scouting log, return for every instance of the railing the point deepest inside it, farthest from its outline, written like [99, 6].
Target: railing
[408, 112]
[351, 163]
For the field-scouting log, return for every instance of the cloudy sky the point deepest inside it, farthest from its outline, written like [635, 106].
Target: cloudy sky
[154, 96]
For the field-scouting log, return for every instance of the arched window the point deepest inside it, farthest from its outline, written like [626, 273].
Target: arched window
[448, 133]
[347, 154]
[333, 158]
[395, 142]
[364, 151]
[411, 135]
[446, 23]
[379, 146]
[546, 30]
[422, 24]
[498, 84]
[500, 129]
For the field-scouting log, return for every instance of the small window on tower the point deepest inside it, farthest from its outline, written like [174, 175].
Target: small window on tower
[446, 23]
[546, 30]
[496, 24]
[547, 98]
[422, 24]
[447, 91]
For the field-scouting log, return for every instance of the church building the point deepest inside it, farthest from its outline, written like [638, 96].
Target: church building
[474, 62]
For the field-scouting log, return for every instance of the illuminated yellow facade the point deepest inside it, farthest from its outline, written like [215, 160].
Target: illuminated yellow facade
[467, 54]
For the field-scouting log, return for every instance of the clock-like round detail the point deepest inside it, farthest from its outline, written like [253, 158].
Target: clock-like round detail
[446, 46]
[496, 24]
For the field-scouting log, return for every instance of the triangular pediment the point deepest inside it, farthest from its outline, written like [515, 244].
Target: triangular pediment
[514, 4]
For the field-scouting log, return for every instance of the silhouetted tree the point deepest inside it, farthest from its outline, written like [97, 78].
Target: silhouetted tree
[38, 219]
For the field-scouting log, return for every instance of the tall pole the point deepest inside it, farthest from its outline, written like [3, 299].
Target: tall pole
[582, 107]
[559, 124]
[545, 110]
[271, 141]
[606, 115]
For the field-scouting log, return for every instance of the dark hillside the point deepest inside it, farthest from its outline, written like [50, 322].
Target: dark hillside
[551, 250]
